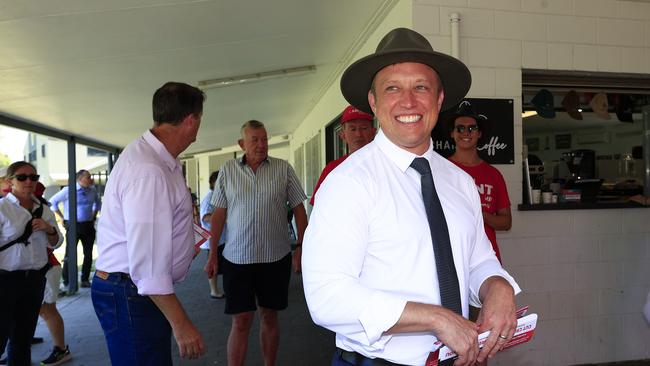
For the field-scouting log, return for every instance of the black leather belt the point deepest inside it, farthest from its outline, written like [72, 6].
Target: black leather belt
[355, 358]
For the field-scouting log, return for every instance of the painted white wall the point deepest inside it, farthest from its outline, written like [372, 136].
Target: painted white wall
[585, 272]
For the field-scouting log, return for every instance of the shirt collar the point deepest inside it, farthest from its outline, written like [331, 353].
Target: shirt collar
[242, 160]
[399, 156]
[160, 149]
[13, 199]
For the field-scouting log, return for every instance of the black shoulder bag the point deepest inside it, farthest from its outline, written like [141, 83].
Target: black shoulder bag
[24, 238]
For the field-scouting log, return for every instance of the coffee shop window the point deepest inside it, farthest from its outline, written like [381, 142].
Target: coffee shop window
[584, 147]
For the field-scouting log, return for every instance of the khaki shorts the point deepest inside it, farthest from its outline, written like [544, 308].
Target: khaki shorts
[52, 280]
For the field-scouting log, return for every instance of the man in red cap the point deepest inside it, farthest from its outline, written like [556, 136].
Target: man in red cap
[357, 130]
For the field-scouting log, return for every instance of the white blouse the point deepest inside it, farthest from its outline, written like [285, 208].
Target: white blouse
[13, 218]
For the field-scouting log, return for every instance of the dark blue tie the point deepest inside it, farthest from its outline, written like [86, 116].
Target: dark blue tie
[447, 277]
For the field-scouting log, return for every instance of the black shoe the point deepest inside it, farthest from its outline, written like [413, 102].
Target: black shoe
[57, 357]
[3, 361]
[85, 284]
[37, 340]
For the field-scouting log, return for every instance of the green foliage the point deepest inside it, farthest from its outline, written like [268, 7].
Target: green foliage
[4, 160]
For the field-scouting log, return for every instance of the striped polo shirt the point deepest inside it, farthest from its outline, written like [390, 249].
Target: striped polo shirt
[257, 204]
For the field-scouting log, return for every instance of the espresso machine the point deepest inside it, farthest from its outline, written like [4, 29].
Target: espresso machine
[582, 169]
[581, 164]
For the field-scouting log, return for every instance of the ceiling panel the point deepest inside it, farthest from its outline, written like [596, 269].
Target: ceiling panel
[91, 67]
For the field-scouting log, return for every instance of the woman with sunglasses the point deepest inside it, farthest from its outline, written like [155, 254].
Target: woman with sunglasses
[27, 229]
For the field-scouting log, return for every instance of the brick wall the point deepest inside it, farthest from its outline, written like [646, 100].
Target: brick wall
[586, 272]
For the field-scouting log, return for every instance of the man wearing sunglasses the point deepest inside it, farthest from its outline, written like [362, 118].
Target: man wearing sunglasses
[88, 204]
[467, 129]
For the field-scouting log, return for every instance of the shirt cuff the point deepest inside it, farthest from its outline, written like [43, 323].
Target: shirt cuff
[482, 273]
[382, 312]
[161, 285]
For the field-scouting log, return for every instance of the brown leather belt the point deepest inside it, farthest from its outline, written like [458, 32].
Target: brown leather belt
[104, 275]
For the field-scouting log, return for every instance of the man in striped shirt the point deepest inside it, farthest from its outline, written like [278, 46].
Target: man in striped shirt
[251, 196]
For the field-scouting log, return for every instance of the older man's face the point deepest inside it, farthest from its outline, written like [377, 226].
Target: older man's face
[255, 144]
[357, 133]
[406, 102]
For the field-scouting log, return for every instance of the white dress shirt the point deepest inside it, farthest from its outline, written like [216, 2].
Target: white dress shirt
[145, 228]
[368, 249]
[13, 218]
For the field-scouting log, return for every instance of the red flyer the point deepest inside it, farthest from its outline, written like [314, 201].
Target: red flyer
[525, 330]
[200, 236]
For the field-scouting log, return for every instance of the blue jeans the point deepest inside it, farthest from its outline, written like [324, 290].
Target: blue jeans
[136, 331]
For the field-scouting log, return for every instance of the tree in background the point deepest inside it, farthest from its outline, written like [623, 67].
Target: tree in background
[5, 161]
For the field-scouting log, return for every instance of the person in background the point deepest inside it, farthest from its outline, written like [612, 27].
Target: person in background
[88, 204]
[206, 214]
[146, 238]
[50, 314]
[251, 195]
[467, 128]
[27, 228]
[395, 250]
[357, 130]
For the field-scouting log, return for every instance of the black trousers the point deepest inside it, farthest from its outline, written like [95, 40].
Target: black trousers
[85, 233]
[22, 295]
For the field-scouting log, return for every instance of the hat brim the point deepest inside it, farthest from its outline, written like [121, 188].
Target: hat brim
[357, 79]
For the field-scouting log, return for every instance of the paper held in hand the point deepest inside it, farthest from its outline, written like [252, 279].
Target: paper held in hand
[200, 236]
[523, 333]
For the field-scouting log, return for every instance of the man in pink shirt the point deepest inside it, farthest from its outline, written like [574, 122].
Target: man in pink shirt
[145, 238]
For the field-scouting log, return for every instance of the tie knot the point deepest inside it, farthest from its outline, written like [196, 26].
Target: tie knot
[421, 165]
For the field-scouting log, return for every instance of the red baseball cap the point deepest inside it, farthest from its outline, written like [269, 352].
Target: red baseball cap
[350, 113]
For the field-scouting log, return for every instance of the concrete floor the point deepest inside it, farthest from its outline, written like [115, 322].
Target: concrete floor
[301, 343]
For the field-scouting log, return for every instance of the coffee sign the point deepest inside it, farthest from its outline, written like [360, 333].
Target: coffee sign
[497, 144]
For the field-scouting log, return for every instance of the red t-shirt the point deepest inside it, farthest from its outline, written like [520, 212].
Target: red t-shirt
[328, 169]
[493, 192]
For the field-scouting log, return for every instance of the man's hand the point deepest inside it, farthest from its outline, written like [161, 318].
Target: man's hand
[189, 340]
[212, 264]
[297, 259]
[459, 334]
[497, 315]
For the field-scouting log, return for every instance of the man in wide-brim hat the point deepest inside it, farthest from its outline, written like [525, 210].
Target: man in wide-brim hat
[395, 250]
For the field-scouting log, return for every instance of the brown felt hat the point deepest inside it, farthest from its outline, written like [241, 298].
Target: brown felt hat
[398, 46]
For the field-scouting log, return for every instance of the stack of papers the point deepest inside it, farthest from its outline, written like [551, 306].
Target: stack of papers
[526, 325]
